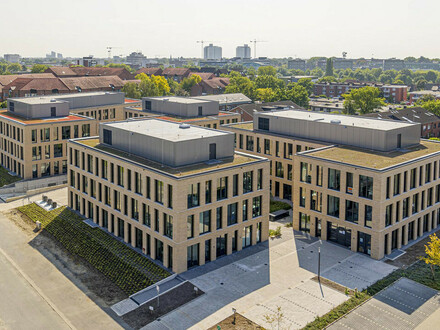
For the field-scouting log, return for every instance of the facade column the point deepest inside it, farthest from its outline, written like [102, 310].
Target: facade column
[399, 237]
[405, 235]
[388, 247]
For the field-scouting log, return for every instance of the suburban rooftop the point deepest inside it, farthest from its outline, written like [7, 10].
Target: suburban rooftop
[176, 99]
[343, 120]
[165, 130]
[374, 159]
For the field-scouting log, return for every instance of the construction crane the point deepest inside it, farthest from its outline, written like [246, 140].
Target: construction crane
[109, 50]
[202, 42]
[255, 46]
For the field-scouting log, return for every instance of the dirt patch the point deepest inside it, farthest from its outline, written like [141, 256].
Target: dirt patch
[167, 303]
[79, 271]
[413, 253]
[241, 323]
[334, 285]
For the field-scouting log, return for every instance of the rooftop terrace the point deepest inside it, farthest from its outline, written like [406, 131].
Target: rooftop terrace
[238, 159]
[375, 159]
[8, 115]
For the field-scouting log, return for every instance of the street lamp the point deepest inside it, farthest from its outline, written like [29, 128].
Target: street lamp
[158, 291]
[234, 311]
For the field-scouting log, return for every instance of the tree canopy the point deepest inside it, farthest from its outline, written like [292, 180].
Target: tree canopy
[364, 100]
[39, 68]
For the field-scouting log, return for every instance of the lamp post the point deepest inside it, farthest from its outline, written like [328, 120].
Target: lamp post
[158, 291]
[319, 264]
[234, 311]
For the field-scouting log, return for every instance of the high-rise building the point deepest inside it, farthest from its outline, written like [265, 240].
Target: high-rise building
[177, 192]
[137, 59]
[12, 58]
[212, 52]
[243, 52]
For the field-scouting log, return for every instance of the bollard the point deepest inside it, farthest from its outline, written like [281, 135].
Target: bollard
[38, 225]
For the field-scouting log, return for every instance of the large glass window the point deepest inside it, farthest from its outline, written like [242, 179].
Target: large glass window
[333, 206]
[219, 217]
[222, 188]
[351, 211]
[349, 183]
[315, 201]
[190, 226]
[168, 225]
[232, 213]
[396, 188]
[247, 236]
[388, 215]
[208, 192]
[365, 186]
[279, 170]
[334, 179]
[193, 255]
[368, 216]
[247, 182]
[304, 222]
[194, 195]
[158, 191]
[256, 206]
[245, 210]
[205, 222]
[305, 173]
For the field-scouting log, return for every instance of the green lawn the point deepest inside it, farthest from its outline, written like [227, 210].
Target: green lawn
[419, 272]
[123, 266]
[277, 205]
[6, 178]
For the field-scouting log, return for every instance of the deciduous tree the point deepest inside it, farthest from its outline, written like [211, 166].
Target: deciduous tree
[364, 99]
[432, 250]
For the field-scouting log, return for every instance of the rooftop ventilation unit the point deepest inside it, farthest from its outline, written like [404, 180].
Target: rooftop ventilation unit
[184, 126]
[335, 121]
[53, 100]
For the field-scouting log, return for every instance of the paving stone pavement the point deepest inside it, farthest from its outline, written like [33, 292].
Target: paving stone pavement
[403, 305]
[265, 278]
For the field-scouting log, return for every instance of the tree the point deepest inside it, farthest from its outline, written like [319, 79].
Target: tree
[131, 90]
[120, 65]
[161, 84]
[327, 79]
[266, 94]
[188, 83]
[432, 106]
[329, 67]
[298, 94]
[307, 84]
[239, 84]
[14, 67]
[266, 81]
[275, 319]
[349, 108]
[364, 99]
[39, 68]
[267, 71]
[431, 76]
[432, 250]
[3, 105]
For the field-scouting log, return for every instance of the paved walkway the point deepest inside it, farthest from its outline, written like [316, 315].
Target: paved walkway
[72, 305]
[266, 278]
[402, 306]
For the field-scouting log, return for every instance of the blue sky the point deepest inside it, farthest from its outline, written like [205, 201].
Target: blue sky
[303, 28]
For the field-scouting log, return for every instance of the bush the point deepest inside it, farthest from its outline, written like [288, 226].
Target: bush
[278, 205]
[276, 232]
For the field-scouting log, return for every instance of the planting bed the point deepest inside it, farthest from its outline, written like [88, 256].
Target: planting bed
[126, 268]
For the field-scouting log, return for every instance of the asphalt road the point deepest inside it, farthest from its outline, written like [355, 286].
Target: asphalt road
[21, 306]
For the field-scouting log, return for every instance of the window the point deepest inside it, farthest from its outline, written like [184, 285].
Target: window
[193, 195]
[158, 191]
[190, 226]
[388, 215]
[170, 196]
[368, 216]
[137, 182]
[304, 222]
[36, 153]
[247, 236]
[305, 176]
[135, 209]
[333, 206]
[85, 130]
[146, 218]
[256, 206]
[334, 179]
[365, 186]
[232, 213]
[302, 197]
[205, 222]
[107, 136]
[413, 178]
[263, 123]
[260, 179]
[351, 211]
[415, 203]
[266, 147]
[247, 182]
[168, 225]
[65, 132]
[240, 141]
[319, 175]
[219, 217]
[349, 183]
[34, 136]
[396, 188]
[428, 173]
[120, 176]
[405, 204]
[249, 143]
[245, 210]
[103, 169]
[222, 188]
[279, 170]
[315, 201]
[208, 192]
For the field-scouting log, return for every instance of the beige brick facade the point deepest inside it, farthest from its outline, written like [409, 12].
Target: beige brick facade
[152, 206]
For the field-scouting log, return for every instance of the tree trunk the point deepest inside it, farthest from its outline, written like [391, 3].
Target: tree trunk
[432, 271]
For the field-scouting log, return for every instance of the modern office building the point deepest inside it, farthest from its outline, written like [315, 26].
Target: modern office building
[296, 64]
[12, 58]
[177, 192]
[243, 52]
[34, 134]
[192, 110]
[212, 52]
[373, 190]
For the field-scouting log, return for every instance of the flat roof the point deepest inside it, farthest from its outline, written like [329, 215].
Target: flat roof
[44, 99]
[176, 99]
[8, 115]
[225, 98]
[165, 130]
[166, 116]
[357, 121]
[238, 159]
[374, 159]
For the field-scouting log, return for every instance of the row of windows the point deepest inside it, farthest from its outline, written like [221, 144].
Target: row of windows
[57, 150]
[12, 164]
[66, 133]
[100, 114]
[12, 148]
[11, 131]
[45, 169]
[251, 144]
[334, 180]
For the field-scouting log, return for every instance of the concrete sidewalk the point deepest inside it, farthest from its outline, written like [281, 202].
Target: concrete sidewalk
[72, 304]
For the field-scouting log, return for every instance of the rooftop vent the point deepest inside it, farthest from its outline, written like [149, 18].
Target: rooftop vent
[53, 100]
[184, 126]
[335, 121]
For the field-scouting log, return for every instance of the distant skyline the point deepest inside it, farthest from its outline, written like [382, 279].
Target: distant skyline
[292, 28]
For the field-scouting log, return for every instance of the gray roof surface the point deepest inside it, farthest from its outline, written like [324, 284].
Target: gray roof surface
[166, 130]
[58, 97]
[226, 98]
